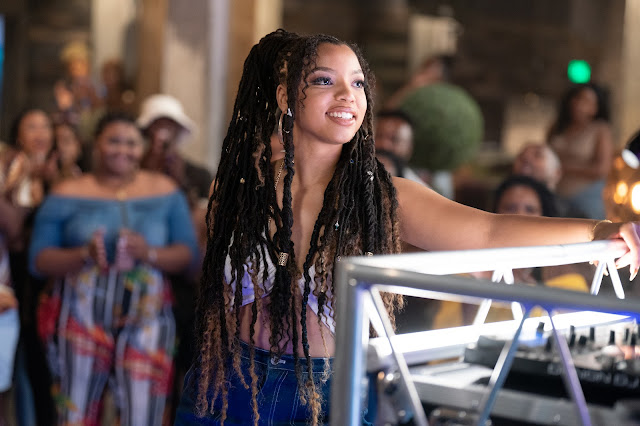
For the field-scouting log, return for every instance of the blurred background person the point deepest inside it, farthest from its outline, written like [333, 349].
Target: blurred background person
[541, 163]
[581, 137]
[107, 239]
[76, 96]
[117, 94]
[28, 174]
[31, 138]
[524, 195]
[11, 218]
[9, 329]
[165, 126]
[538, 161]
[67, 152]
[394, 133]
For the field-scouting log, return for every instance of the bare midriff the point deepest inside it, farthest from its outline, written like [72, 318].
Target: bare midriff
[315, 332]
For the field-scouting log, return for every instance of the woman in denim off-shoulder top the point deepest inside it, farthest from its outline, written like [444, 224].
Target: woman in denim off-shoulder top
[108, 239]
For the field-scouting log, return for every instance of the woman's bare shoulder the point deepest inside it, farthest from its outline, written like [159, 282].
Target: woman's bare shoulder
[157, 183]
[407, 186]
[83, 185]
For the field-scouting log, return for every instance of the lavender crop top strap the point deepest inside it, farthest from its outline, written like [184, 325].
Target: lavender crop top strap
[248, 294]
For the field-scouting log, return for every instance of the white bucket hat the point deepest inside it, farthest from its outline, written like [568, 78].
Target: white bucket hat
[164, 106]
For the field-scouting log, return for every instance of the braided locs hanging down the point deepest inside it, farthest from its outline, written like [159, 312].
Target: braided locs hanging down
[358, 215]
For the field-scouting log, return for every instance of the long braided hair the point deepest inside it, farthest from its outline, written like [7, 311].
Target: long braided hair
[358, 216]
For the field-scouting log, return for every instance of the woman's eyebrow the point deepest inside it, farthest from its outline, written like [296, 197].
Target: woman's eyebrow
[327, 69]
[322, 69]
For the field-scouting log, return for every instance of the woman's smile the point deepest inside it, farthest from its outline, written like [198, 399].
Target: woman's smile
[342, 117]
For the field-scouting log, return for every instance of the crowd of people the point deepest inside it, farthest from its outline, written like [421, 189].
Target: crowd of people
[102, 229]
[107, 236]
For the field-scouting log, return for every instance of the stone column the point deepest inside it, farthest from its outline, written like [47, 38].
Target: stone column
[151, 32]
[185, 70]
[112, 34]
[218, 75]
[250, 20]
[203, 51]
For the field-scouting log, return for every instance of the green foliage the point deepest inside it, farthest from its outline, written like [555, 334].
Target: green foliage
[448, 126]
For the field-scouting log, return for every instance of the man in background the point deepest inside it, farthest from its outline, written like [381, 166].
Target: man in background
[165, 125]
[538, 161]
[394, 135]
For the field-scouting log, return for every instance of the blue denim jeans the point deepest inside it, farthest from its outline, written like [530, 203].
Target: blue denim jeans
[278, 397]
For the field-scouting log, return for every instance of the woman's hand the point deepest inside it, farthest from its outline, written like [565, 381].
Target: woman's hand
[135, 245]
[97, 251]
[628, 232]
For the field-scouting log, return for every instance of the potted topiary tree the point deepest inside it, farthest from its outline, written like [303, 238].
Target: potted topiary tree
[448, 128]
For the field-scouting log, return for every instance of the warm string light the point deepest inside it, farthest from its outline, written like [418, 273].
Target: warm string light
[622, 191]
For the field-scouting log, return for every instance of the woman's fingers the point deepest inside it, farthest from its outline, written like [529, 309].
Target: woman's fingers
[629, 233]
[100, 252]
[624, 260]
[136, 245]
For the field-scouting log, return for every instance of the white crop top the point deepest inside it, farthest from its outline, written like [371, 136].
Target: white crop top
[248, 295]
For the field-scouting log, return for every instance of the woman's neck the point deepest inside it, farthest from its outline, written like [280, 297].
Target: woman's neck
[578, 125]
[315, 164]
[114, 181]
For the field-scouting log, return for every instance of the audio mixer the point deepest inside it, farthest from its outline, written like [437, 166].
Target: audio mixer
[605, 352]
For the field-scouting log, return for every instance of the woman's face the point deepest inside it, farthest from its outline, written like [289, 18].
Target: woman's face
[333, 105]
[120, 148]
[584, 105]
[67, 144]
[520, 199]
[35, 136]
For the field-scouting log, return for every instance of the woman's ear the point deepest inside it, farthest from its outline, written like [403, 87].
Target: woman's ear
[281, 97]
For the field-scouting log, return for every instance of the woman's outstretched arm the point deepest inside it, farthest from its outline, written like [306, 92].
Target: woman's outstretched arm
[432, 222]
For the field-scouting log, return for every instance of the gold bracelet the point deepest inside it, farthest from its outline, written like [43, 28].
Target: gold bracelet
[593, 230]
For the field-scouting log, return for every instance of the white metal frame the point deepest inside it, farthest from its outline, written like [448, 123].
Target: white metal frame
[359, 281]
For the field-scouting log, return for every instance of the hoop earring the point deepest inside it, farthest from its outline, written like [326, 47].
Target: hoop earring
[280, 129]
[289, 114]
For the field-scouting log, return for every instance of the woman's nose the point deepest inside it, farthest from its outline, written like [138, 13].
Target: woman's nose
[345, 92]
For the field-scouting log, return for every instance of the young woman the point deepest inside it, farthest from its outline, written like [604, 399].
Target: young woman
[67, 152]
[276, 231]
[581, 137]
[524, 195]
[108, 239]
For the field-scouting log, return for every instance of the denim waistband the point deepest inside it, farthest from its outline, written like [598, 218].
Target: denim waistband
[285, 361]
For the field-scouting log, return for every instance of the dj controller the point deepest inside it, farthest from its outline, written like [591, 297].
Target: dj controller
[580, 366]
[605, 350]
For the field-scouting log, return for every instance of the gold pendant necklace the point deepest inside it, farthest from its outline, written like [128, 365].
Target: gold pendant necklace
[282, 256]
[120, 191]
[121, 194]
[275, 187]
